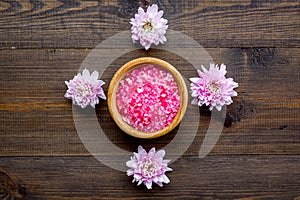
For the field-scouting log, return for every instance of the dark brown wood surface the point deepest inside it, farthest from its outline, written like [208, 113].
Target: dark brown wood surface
[44, 42]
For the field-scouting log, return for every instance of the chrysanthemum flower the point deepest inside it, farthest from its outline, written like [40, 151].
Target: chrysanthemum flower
[148, 167]
[149, 27]
[85, 89]
[212, 88]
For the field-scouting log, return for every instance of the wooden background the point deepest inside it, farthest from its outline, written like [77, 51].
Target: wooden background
[44, 42]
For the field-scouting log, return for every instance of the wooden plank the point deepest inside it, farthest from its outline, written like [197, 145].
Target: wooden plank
[36, 119]
[214, 177]
[84, 24]
[44, 42]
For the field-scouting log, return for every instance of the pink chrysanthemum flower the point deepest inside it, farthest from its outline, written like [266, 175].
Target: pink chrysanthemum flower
[148, 167]
[212, 88]
[85, 89]
[149, 27]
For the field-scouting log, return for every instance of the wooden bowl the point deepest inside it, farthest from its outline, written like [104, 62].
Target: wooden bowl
[112, 102]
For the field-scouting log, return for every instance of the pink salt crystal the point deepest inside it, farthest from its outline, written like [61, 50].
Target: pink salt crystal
[148, 99]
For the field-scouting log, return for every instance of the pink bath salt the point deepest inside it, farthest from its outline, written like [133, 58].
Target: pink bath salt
[148, 98]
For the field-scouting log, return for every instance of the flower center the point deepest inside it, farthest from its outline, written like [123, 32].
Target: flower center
[84, 90]
[148, 26]
[214, 88]
[149, 167]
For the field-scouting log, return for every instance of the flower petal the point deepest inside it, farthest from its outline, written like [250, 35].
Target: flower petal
[194, 101]
[166, 179]
[169, 169]
[147, 46]
[141, 12]
[148, 185]
[161, 153]
[195, 79]
[95, 75]
[152, 151]
[86, 73]
[131, 164]
[152, 9]
[140, 149]
[203, 69]
[102, 96]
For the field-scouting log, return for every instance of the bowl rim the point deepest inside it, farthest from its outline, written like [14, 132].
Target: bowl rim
[118, 76]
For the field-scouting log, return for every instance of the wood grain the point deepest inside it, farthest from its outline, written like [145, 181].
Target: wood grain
[214, 177]
[44, 42]
[83, 24]
[37, 119]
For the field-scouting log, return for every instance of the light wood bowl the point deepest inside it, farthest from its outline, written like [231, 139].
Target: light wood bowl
[112, 102]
